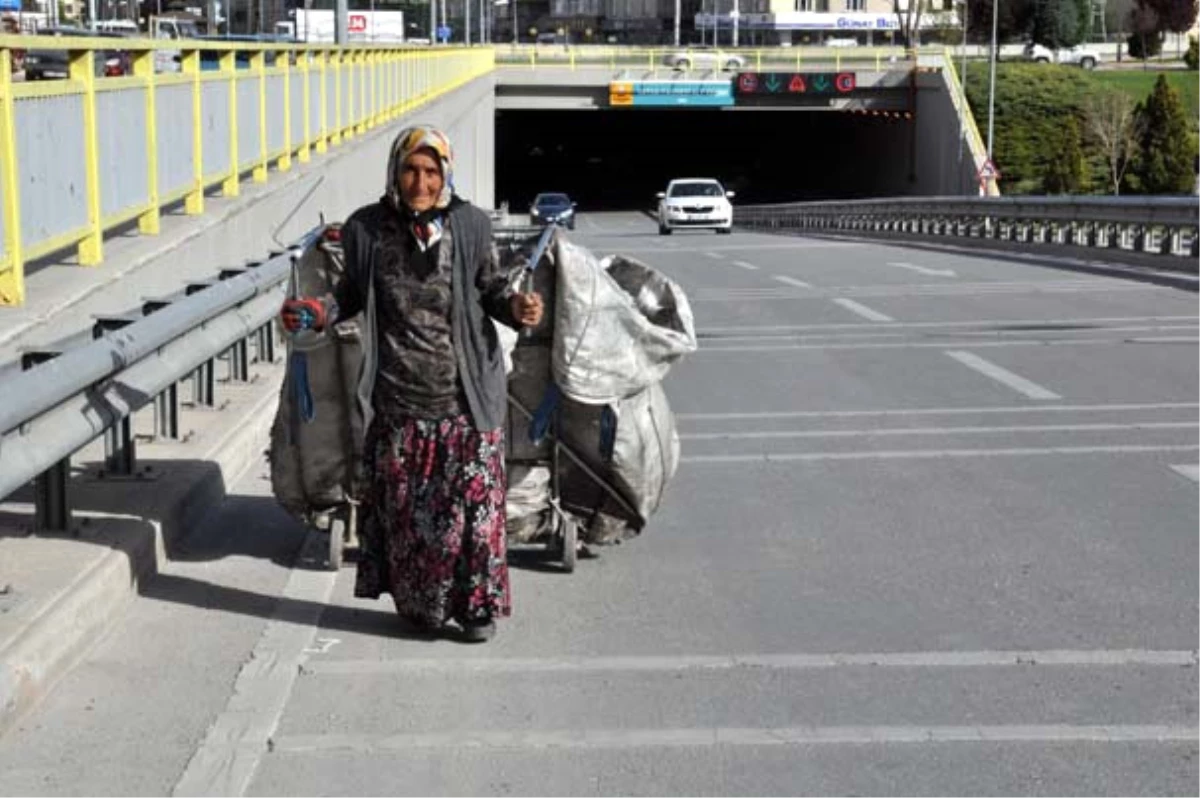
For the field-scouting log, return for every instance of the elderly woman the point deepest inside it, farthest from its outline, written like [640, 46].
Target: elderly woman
[422, 268]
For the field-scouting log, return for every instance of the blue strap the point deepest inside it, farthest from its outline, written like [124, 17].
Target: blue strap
[608, 432]
[539, 425]
[302, 390]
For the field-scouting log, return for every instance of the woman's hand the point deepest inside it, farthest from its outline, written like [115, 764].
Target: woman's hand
[527, 309]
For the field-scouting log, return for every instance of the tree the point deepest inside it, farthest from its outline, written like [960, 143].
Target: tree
[1192, 56]
[1113, 126]
[908, 17]
[1013, 20]
[1176, 16]
[1061, 23]
[1066, 172]
[1166, 156]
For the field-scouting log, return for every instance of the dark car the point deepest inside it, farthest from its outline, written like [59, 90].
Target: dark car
[50, 64]
[551, 208]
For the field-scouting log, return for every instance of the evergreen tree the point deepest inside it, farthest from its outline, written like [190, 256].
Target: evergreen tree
[1061, 23]
[1166, 157]
[1066, 172]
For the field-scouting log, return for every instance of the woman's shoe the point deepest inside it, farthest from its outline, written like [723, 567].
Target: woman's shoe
[479, 631]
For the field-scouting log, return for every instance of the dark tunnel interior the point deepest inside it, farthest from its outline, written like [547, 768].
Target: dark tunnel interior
[618, 160]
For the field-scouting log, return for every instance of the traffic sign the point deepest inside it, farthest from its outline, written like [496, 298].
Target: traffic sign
[989, 171]
[796, 83]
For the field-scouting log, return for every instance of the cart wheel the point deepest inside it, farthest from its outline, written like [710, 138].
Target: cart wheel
[570, 542]
[337, 536]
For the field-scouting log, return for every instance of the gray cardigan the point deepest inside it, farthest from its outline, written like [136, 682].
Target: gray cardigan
[479, 291]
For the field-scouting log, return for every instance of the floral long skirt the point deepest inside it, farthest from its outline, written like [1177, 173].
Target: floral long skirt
[433, 520]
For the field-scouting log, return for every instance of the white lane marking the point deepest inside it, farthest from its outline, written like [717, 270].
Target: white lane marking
[970, 336]
[1051, 323]
[747, 266]
[226, 761]
[1003, 375]
[767, 294]
[923, 269]
[938, 411]
[930, 454]
[861, 310]
[715, 255]
[1192, 472]
[792, 281]
[870, 433]
[709, 348]
[706, 737]
[786, 661]
[740, 247]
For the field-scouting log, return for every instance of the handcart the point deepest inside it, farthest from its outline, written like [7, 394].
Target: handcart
[317, 437]
[534, 441]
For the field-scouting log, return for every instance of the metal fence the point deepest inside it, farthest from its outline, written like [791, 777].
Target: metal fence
[690, 59]
[84, 155]
[1162, 227]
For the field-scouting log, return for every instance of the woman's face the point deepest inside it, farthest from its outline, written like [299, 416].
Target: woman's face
[421, 181]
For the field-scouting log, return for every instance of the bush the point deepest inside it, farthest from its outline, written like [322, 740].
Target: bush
[1165, 161]
[1067, 171]
[1192, 56]
[1145, 45]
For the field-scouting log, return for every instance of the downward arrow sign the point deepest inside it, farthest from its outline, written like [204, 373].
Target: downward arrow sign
[774, 84]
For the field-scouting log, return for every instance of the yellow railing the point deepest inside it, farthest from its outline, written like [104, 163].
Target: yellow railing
[756, 59]
[356, 89]
[974, 140]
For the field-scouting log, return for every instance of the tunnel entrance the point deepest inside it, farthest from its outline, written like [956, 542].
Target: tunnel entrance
[618, 160]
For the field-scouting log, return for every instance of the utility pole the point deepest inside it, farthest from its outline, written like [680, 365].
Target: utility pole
[677, 13]
[992, 81]
[737, 15]
[432, 22]
[467, 22]
[339, 22]
[516, 39]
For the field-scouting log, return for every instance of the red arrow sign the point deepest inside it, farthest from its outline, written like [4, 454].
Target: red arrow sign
[797, 86]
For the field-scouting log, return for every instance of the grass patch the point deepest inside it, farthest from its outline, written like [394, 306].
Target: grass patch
[1139, 84]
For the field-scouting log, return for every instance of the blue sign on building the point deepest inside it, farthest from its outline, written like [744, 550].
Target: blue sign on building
[671, 93]
[443, 32]
[10, 5]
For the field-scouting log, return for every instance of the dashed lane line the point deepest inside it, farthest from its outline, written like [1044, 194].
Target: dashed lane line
[1003, 376]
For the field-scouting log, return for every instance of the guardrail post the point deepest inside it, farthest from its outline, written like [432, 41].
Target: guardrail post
[230, 187]
[120, 454]
[143, 67]
[204, 384]
[362, 114]
[322, 142]
[193, 203]
[284, 163]
[258, 63]
[166, 412]
[51, 499]
[81, 69]
[12, 267]
[1170, 241]
[304, 153]
[337, 58]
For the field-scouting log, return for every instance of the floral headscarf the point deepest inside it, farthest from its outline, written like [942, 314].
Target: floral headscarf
[410, 140]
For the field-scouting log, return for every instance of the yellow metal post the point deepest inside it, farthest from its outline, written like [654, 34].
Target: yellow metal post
[230, 187]
[143, 67]
[81, 70]
[323, 99]
[303, 59]
[258, 63]
[193, 203]
[12, 270]
[337, 56]
[285, 161]
[362, 113]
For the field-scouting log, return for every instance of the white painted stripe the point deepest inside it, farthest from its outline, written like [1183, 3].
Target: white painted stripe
[711, 348]
[862, 310]
[1041, 429]
[756, 247]
[932, 454]
[1003, 375]
[747, 266]
[226, 761]
[707, 737]
[792, 281]
[923, 269]
[983, 325]
[715, 255]
[728, 662]
[1192, 472]
[938, 411]
[971, 336]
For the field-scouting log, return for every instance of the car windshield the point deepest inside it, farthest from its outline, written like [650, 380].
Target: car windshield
[696, 190]
[551, 200]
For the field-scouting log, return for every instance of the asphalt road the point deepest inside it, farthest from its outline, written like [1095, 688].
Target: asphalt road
[934, 532]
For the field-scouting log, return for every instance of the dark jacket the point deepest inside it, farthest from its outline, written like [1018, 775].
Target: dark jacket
[480, 293]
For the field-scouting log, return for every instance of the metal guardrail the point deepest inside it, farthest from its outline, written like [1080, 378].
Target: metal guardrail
[84, 155]
[755, 59]
[63, 401]
[1165, 227]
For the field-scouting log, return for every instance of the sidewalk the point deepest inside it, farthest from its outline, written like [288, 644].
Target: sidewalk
[59, 594]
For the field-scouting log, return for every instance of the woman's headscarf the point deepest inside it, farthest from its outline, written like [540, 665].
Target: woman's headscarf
[410, 140]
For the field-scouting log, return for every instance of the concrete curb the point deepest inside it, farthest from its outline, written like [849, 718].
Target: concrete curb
[66, 621]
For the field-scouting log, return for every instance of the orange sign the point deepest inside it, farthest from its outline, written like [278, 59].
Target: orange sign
[620, 94]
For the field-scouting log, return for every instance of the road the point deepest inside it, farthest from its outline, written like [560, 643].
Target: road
[934, 532]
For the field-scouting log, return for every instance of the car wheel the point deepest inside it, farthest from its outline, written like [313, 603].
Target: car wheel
[1042, 60]
[724, 231]
[663, 230]
[1088, 63]
[571, 225]
[683, 63]
[733, 64]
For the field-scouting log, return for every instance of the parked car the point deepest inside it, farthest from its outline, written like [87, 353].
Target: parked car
[704, 58]
[1081, 55]
[52, 64]
[699, 202]
[552, 208]
[841, 41]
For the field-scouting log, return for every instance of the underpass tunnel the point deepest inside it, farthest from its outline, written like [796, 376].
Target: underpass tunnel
[618, 160]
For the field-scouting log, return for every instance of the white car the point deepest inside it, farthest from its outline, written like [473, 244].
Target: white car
[704, 58]
[1081, 55]
[695, 202]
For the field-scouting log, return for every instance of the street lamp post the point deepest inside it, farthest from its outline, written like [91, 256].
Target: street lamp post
[677, 13]
[962, 87]
[992, 83]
